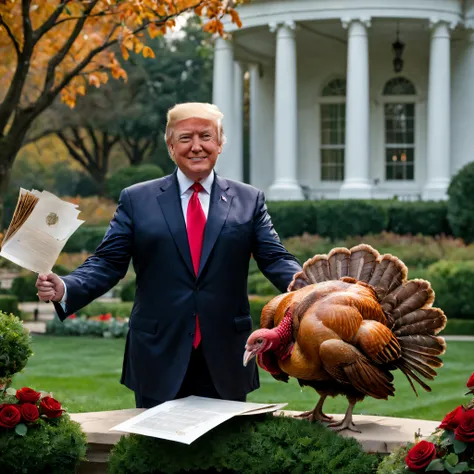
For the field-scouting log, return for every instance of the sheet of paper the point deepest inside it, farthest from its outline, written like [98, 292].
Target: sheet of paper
[37, 243]
[186, 419]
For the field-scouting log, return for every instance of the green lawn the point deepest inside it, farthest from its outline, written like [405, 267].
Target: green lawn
[84, 374]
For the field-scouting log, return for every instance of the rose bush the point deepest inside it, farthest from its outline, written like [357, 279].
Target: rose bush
[51, 407]
[420, 456]
[449, 450]
[26, 407]
[28, 395]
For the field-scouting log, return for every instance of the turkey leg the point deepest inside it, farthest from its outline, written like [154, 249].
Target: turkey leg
[317, 413]
[346, 423]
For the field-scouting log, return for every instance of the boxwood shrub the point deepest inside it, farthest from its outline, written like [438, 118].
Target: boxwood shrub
[51, 448]
[257, 446]
[9, 304]
[342, 218]
[421, 217]
[453, 283]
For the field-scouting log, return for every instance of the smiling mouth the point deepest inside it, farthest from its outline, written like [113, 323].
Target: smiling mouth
[197, 158]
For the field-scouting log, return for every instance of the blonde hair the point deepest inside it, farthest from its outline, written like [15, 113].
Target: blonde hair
[194, 110]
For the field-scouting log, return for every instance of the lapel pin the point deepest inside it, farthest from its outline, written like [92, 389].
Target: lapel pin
[224, 198]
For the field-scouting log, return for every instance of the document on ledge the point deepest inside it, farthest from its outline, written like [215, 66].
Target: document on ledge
[41, 225]
[186, 419]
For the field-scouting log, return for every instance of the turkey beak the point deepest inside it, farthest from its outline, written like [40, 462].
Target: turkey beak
[248, 355]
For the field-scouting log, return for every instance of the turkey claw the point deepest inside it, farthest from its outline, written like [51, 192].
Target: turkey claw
[344, 425]
[311, 416]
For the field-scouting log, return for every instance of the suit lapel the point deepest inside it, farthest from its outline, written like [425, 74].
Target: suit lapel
[170, 203]
[219, 206]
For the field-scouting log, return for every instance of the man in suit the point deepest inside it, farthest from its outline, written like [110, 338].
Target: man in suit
[190, 236]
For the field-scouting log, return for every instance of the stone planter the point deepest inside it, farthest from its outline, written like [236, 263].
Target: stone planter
[380, 434]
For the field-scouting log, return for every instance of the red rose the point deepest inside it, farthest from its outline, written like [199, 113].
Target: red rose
[27, 395]
[10, 416]
[105, 317]
[465, 431]
[420, 455]
[51, 407]
[29, 412]
[452, 419]
[72, 316]
[470, 383]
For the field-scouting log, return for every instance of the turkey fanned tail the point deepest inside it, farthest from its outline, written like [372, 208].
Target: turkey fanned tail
[406, 304]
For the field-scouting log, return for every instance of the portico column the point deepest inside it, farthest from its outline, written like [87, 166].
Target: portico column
[239, 120]
[357, 153]
[285, 185]
[223, 96]
[439, 114]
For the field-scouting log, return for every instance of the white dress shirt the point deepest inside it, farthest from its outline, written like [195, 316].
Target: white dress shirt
[185, 193]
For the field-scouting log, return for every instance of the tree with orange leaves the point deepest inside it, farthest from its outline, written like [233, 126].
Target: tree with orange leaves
[56, 48]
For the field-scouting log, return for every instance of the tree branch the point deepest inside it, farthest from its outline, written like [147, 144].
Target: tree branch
[39, 136]
[51, 21]
[71, 150]
[11, 36]
[12, 97]
[61, 54]
[79, 143]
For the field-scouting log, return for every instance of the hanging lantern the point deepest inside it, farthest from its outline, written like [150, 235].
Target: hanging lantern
[398, 48]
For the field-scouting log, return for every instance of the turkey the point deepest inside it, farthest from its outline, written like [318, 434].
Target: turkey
[348, 320]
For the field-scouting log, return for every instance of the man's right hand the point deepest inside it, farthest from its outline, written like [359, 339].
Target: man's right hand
[50, 287]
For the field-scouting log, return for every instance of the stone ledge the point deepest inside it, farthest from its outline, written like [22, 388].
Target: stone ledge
[380, 434]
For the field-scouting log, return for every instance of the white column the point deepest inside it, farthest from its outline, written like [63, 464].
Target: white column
[439, 114]
[357, 153]
[223, 96]
[239, 120]
[285, 185]
[254, 71]
[462, 104]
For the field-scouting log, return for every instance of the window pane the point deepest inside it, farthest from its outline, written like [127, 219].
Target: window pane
[336, 87]
[332, 165]
[399, 141]
[333, 118]
[399, 86]
[400, 163]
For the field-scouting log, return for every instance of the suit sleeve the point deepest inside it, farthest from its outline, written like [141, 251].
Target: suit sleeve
[273, 260]
[109, 263]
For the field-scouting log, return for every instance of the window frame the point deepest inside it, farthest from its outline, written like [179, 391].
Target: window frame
[331, 100]
[399, 99]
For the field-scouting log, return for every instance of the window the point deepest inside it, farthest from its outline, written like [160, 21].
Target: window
[399, 113]
[333, 130]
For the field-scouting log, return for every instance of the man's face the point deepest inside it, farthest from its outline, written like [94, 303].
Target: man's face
[195, 147]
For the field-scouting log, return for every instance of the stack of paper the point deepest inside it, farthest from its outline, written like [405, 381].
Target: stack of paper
[41, 225]
[186, 419]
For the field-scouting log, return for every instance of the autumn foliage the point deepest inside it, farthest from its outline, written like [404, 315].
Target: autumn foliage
[67, 41]
[51, 48]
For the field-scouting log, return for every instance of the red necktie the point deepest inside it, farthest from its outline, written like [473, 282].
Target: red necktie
[195, 223]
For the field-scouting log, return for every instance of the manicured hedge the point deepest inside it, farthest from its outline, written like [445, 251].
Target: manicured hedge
[23, 287]
[423, 217]
[458, 327]
[341, 218]
[264, 445]
[86, 238]
[453, 283]
[9, 304]
[332, 219]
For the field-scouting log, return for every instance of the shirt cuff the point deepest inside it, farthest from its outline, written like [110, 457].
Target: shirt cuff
[64, 298]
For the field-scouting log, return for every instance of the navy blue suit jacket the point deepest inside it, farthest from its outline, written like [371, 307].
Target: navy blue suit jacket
[149, 228]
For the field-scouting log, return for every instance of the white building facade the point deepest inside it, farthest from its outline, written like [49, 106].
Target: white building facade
[331, 115]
